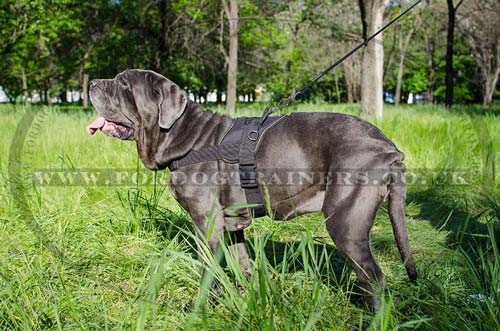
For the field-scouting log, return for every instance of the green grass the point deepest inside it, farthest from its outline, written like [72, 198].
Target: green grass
[115, 257]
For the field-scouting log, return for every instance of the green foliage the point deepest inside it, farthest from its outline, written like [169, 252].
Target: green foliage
[48, 46]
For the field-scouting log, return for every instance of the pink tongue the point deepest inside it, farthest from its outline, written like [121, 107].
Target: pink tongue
[96, 125]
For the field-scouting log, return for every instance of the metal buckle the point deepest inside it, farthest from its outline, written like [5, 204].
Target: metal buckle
[253, 135]
[248, 176]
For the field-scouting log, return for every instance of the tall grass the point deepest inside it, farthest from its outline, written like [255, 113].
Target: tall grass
[131, 263]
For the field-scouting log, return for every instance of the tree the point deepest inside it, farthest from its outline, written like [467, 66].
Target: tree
[34, 58]
[296, 12]
[231, 59]
[430, 37]
[372, 67]
[481, 25]
[352, 73]
[163, 35]
[347, 34]
[450, 39]
[406, 30]
[13, 23]
[50, 47]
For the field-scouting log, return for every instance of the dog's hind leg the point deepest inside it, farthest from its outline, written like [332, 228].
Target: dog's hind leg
[350, 212]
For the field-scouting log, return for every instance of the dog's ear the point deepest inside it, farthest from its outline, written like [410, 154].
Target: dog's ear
[172, 104]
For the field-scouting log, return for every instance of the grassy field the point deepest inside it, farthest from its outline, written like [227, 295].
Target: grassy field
[122, 257]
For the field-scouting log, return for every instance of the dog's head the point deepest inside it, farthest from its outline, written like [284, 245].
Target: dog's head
[136, 105]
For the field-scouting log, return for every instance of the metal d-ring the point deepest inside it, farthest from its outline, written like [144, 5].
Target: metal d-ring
[253, 135]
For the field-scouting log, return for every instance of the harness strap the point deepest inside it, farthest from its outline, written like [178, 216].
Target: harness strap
[207, 153]
[248, 167]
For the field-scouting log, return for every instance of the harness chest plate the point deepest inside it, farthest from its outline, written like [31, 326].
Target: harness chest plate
[239, 145]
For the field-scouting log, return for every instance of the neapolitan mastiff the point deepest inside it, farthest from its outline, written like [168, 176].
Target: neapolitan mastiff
[151, 110]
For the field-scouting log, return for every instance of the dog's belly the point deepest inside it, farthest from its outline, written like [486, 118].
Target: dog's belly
[307, 201]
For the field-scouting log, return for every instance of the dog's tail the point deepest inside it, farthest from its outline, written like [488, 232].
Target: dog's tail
[397, 197]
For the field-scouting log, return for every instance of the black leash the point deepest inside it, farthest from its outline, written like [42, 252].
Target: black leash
[287, 101]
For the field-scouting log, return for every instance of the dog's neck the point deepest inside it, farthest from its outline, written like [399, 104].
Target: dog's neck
[194, 129]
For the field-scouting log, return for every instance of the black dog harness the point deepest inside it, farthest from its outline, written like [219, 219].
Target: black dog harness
[239, 145]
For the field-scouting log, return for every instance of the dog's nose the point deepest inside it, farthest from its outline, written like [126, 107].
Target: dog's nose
[93, 83]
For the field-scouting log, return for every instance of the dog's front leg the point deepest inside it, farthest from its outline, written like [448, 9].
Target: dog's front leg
[210, 231]
[238, 250]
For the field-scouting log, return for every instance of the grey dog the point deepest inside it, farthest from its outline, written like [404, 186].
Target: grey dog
[148, 108]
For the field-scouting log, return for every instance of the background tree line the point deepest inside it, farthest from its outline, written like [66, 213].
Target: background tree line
[50, 47]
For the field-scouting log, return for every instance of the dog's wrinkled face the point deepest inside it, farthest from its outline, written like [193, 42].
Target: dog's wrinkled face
[133, 101]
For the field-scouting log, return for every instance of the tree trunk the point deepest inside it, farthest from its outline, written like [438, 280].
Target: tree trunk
[490, 83]
[232, 59]
[64, 94]
[449, 54]
[25, 87]
[46, 91]
[294, 30]
[162, 40]
[481, 24]
[85, 91]
[397, 97]
[431, 82]
[291, 48]
[372, 89]
[403, 48]
[388, 63]
[348, 81]
[488, 61]
[431, 85]
[337, 90]
[84, 80]
[47, 97]
[352, 73]
[452, 10]
[487, 96]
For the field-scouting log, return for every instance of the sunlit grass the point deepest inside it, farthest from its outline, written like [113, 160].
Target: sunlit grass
[129, 260]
